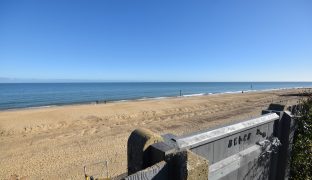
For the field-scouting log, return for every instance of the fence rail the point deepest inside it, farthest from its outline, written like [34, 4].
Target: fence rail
[254, 149]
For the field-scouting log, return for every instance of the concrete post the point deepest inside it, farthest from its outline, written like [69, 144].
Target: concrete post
[149, 157]
[183, 164]
[138, 149]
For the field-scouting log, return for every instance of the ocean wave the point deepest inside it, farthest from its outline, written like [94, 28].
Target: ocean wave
[192, 95]
[153, 98]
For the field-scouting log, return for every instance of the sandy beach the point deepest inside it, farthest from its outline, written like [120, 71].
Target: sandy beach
[56, 142]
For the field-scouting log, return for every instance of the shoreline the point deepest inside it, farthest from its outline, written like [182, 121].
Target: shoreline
[147, 99]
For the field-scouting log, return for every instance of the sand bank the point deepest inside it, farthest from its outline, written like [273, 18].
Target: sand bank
[56, 142]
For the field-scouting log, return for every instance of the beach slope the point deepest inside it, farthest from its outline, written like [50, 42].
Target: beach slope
[56, 142]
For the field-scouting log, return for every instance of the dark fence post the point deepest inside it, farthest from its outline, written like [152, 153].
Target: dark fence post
[287, 136]
[284, 129]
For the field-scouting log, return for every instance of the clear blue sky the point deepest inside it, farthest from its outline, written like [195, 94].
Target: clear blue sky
[156, 40]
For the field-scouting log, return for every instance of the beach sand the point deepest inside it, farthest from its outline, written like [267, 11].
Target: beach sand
[56, 142]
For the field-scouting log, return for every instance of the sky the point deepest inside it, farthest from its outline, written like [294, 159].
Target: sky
[156, 40]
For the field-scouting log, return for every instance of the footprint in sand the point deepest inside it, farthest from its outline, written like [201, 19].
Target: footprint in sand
[93, 131]
[88, 131]
[83, 132]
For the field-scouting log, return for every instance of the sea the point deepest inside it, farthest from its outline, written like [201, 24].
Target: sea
[34, 95]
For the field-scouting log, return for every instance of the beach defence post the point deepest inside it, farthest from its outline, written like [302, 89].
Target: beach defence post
[249, 149]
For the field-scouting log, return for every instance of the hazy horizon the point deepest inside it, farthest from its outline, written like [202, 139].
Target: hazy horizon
[21, 80]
